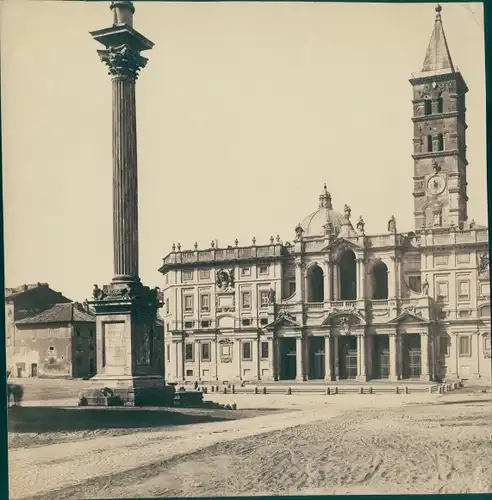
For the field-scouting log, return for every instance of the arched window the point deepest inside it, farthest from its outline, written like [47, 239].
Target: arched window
[428, 107]
[380, 280]
[348, 276]
[316, 286]
[429, 143]
[440, 142]
[440, 106]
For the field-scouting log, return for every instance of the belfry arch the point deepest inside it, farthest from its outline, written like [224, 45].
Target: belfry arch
[315, 284]
[348, 276]
[380, 281]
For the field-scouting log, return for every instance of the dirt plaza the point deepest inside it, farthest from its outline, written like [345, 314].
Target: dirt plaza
[273, 444]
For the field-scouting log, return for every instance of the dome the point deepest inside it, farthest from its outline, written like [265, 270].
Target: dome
[315, 223]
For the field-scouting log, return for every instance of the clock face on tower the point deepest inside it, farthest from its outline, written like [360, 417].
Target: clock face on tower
[436, 185]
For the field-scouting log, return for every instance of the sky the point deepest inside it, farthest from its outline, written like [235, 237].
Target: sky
[244, 111]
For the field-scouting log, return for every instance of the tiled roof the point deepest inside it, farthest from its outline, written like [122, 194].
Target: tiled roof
[13, 293]
[60, 313]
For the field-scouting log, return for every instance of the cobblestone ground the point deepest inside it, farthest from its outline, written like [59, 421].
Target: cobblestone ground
[385, 444]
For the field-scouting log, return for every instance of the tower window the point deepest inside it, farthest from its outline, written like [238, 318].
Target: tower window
[437, 218]
[429, 143]
[440, 107]
[428, 107]
[440, 142]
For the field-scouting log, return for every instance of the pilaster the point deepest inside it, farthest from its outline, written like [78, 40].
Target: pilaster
[361, 355]
[393, 355]
[300, 358]
[424, 346]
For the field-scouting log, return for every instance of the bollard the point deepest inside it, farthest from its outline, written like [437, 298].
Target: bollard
[370, 390]
[336, 390]
[225, 390]
[216, 388]
[361, 390]
[213, 388]
[289, 391]
[328, 391]
[431, 389]
[205, 390]
[234, 406]
[264, 390]
[406, 389]
[233, 389]
[397, 390]
[256, 390]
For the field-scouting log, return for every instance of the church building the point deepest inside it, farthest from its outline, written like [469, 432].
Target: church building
[337, 303]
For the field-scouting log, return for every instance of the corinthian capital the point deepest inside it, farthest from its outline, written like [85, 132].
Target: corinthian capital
[123, 61]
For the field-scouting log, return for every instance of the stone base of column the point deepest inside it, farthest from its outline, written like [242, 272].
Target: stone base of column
[425, 378]
[300, 378]
[329, 379]
[362, 378]
[135, 390]
[393, 378]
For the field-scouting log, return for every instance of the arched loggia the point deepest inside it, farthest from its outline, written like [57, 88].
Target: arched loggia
[380, 281]
[348, 276]
[315, 282]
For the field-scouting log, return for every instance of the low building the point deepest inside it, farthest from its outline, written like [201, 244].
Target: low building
[24, 301]
[58, 342]
[339, 303]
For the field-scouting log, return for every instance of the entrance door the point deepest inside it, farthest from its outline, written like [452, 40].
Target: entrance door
[412, 361]
[288, 365]
[348, 357]
[316, 358]
[380, 360]
[34, 370]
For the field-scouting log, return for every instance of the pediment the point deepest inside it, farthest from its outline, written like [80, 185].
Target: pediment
[340, 245]
[344, 318]
[409, 317]
[283, 319]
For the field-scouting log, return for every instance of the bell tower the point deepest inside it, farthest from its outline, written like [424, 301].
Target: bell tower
[439, 137]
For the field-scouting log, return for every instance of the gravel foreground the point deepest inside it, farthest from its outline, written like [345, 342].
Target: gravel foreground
[316, 445]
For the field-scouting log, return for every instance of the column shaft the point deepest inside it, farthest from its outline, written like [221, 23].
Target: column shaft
[361, 352]
[299, 359]
[393, 355]
[328, 370]
[125, 187]
[424, 347]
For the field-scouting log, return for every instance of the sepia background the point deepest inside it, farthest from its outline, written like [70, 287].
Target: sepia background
[244, 111]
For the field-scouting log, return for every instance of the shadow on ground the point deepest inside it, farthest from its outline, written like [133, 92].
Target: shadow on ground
[39, 419]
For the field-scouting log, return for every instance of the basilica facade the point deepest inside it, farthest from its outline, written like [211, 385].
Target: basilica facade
[338, 303]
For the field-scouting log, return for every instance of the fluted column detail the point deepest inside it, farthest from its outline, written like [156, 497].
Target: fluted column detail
[125, 181]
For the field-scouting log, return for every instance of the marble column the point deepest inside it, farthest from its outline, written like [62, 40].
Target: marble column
[299, 280]
[336, 281]
[361, 355]
[393, 355]
[300, 375]
[328, 356]
[424, 349]
[327, 280]
[336, 361]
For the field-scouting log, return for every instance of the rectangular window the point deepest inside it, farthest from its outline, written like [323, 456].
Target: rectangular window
[264, 321]
[188, 303]
[246, 322]
[264, 350]
[442, 291]
[204, 303]
[292, 288]
[463, 258]
[168, 352]
[263, 269]
[245, 271]
[246, 300]
[188, 324]
[189, 373]
[187, 275]
[167, 306]
[204, 274]
[189, 352]
[443, 346]
[246, 348]
[206, 352]
[465, 345]
[205, 324]
[463, 290]
[264, 298]
[441, 260]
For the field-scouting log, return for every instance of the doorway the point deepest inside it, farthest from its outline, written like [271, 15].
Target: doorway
[412, 358]
[316, 358]
[380, 357]
[347, 355]
[34, 370]
[288, 364]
